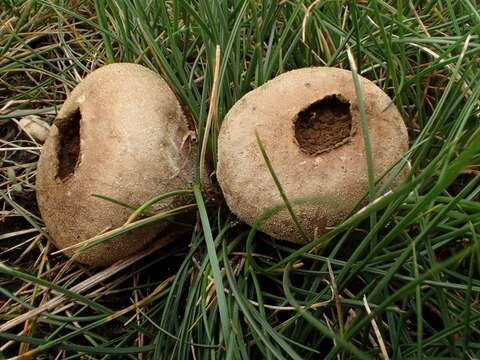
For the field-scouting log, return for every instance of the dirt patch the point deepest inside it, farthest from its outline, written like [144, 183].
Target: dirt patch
[324, 125]
[68, 149]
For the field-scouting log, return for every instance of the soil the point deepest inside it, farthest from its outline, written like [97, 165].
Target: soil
[324, 125]
[69, 144]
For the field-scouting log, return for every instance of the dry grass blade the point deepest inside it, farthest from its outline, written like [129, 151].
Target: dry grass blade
[376, 329]
[86, 284]
[212, 112]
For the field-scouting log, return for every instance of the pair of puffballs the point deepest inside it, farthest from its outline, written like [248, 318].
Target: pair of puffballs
[122, 134]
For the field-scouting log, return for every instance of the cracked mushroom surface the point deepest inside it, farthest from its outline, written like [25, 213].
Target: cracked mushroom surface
[309, 123]
[122, 134]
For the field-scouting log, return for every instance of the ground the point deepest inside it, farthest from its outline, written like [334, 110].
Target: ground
[398, 279]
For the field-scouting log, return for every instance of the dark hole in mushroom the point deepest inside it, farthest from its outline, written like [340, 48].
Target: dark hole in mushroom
[68, 149]
[324, 125]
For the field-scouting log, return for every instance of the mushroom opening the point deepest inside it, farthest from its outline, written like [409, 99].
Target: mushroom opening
[324, 125]
[68, 149]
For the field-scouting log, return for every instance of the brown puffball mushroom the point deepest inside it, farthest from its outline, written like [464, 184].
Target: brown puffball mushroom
[121, 133]
[309, 123]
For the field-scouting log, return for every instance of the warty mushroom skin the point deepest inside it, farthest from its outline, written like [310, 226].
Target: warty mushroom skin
[121, 133]
[324, 182]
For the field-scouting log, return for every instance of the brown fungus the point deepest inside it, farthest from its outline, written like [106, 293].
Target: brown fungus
[122, 134]
[309, 123]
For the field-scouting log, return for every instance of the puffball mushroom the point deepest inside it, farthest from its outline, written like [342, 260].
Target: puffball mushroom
[121, 133]
[309, 124]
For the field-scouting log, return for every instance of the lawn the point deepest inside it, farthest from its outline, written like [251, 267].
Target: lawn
[398, 279]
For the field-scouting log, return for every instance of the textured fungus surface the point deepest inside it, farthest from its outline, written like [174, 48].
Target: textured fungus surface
[309, 124]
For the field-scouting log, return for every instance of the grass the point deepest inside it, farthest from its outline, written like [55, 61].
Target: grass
[399, 277]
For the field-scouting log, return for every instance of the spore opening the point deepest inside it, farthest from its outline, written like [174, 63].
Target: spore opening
[324, 125]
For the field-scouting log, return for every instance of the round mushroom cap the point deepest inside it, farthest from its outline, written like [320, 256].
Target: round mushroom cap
[309, 124]
[121, 134]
